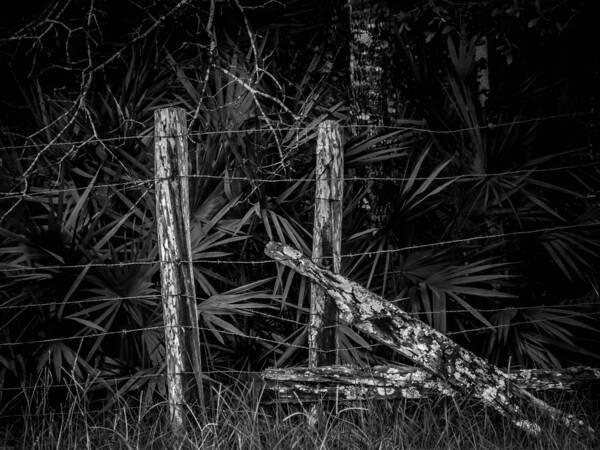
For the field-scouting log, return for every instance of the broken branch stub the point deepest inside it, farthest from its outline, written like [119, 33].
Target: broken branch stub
[425, 346]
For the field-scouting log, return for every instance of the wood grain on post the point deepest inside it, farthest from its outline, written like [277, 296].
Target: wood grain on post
[182, 340]
[327, 241]
[425, 346]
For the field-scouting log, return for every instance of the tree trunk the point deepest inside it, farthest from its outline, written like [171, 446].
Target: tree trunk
[374, 100]
[367, 54]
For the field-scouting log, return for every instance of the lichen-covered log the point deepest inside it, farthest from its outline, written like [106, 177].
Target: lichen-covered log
[555, 379]
[425, 346]
[327, 241]
[398, 381]
[182, 340]
[353, 383]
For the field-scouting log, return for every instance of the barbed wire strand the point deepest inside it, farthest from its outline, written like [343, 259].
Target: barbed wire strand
[272, 261]
[442, 311]
[132, 184]
[305, 314]
[80, 302]
[488, 126]
[278, 343]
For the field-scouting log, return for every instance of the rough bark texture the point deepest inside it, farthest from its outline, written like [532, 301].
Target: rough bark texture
[425, 346]
[479, 163]
[483, 73]
[327, 241]
[353, 383]
[389, 382]
[182, 340]
[372, 46]
[367, 51]
[374, 101]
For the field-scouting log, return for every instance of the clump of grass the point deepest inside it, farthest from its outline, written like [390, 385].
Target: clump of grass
[236, 418]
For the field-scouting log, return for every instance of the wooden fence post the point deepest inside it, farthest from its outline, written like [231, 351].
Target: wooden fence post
[327, 241]
[182, 338]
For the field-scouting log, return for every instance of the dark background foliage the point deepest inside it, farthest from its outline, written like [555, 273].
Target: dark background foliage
[87, 77]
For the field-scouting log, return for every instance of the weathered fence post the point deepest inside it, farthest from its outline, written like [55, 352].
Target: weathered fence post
[327, 241]
[182, 339]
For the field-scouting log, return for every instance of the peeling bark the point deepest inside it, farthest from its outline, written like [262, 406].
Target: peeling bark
[182, 339]
[425, 346]
[399, 381]
[327, 241]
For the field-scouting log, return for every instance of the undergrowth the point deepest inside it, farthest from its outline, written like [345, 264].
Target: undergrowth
[238, 418]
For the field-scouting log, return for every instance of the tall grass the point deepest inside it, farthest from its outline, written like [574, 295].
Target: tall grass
[238, 418]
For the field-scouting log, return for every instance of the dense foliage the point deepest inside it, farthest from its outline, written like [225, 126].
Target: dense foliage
[76, 164]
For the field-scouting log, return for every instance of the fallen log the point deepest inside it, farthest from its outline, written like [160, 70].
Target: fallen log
[425, 346]
[398, 381]
[352, 383]
[555, 379]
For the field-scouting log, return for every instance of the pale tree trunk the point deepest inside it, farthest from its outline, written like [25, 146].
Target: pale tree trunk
[374, 101]
[483, 92]
[368, 48]
[483, 72]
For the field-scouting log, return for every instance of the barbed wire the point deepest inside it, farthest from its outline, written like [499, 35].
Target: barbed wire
[304, 313]
[132, 184]
[272, 261]
[472, 239]
[440, 312]
[524, 322]
[125, 332]
[83, 266]
[79, 302]
[278, 343]
[488, 126]
[38, 193]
